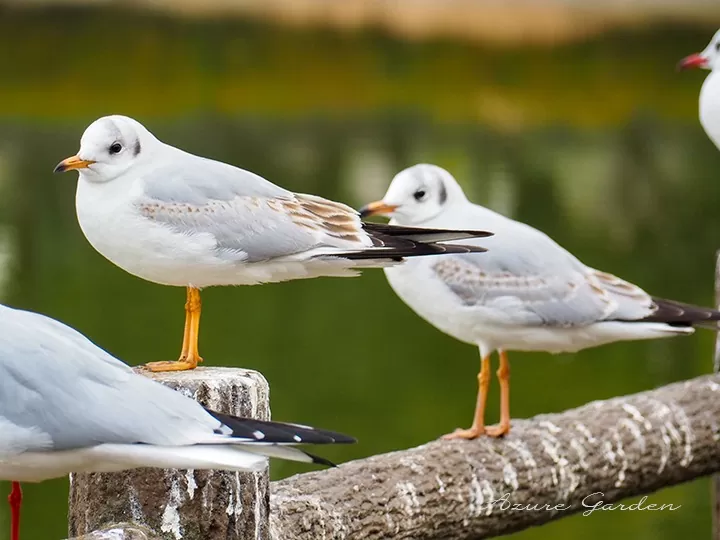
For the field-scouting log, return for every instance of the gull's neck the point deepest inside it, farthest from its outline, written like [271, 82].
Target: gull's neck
[710, 106]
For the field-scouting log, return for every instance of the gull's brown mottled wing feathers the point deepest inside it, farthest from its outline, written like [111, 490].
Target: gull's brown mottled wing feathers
[254, 229]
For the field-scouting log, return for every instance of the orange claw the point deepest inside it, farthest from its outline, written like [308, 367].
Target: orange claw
[178, 365]
[467, 434]
[498, 430]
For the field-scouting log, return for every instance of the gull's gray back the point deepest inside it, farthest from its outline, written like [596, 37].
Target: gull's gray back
[186, 178]
[60, 391]
[249, 218]
[529, 279]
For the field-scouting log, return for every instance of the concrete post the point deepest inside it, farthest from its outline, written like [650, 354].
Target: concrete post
[178, 504]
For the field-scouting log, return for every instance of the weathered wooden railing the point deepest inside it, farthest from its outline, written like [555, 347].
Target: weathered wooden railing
[549, 467]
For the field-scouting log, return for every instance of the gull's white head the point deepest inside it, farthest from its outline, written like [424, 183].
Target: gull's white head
[417, 194]
[109, 147]
[709, 58]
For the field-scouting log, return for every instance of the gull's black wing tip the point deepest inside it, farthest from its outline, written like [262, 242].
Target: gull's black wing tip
[318, 460]
[268, 432]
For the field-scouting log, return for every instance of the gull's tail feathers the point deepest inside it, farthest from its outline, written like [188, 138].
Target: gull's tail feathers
[395, 242]
[285, 452]
[267, 432]
[238, 444]
[276, 439]
[680, 314]
[117, 457]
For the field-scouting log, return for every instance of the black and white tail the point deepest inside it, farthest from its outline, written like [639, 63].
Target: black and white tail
[395, 242]
[680, 314]
[275, 439]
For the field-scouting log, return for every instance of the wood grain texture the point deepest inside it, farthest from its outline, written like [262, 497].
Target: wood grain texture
[621, 447]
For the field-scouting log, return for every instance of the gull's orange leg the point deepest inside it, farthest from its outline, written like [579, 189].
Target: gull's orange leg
[192, 355]
[503, 375]
[189, 355]
[15, 500]
[478, 425]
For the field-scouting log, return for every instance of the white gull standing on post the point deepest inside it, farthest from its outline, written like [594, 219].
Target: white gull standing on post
[177, 219]
[526, 293]
[68, 406]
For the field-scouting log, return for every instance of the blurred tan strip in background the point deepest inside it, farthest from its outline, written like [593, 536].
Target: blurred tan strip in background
[496, 21]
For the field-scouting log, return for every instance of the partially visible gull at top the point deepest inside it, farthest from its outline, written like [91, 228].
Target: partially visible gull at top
[173, 218]
[68, 406]
[708, 59]
[526, 293]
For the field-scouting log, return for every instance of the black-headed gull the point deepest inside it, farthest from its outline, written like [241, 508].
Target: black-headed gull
[710, 91]
[177, 219]
[526, 293]
[68, 406]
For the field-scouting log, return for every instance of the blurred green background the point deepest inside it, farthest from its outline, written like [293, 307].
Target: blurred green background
[594, 140]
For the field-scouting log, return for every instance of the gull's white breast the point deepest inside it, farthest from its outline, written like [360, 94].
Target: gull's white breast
[418, 286]
[149, 250]
[710, 107]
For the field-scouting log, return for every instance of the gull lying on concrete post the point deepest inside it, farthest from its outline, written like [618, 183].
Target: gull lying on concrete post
[68, 406]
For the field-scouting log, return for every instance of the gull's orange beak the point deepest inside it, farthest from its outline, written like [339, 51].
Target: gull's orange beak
[73, 163]
[693, 61]
[377, 208]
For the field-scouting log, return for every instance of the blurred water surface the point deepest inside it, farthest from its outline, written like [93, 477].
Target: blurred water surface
[595, 143]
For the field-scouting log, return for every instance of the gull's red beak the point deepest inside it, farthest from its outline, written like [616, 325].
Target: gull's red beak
[693, 61]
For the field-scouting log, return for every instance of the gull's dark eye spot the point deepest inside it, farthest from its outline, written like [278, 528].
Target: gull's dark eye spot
[420, 195]
[115, 148]
[443, 193]
[717, 46]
